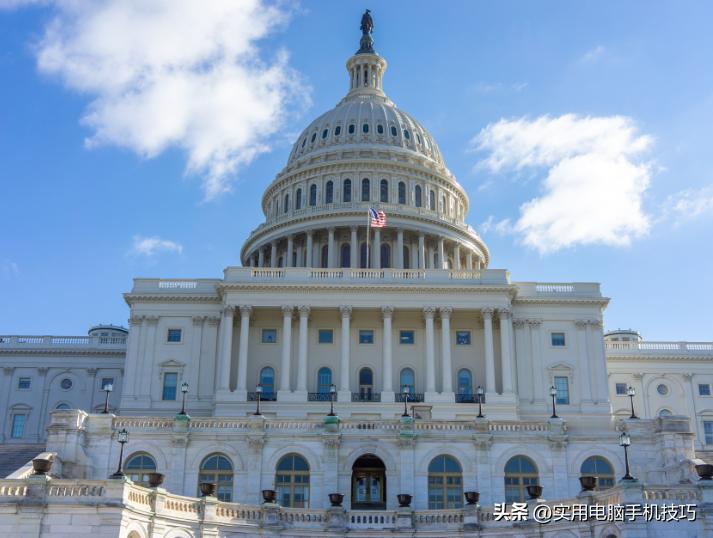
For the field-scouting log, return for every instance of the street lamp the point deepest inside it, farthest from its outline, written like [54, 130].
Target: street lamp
[405, 390]
[631, 392]
[123, 437]
[332, 392]
[184, 391]
[258, 389]
[107, 388]
[480, 392]
[553, 393]
[625, 441]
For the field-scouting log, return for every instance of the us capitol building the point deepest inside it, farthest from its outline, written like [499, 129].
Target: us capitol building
[350, 379]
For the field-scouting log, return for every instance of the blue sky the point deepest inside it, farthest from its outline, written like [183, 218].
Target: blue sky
[104, 178]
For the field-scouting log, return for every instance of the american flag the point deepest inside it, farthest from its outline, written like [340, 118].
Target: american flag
[378, 218]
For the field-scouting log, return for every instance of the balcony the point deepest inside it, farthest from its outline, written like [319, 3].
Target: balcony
[21, 343]
[264, 396]
[413, 398]
[319, 396]
[366, 397]
[635, 348]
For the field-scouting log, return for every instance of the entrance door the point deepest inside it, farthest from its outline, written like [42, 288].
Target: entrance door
[368, 483]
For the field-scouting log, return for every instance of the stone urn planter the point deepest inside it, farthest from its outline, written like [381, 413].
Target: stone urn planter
[404, 500]
[472, 497]
[208, 489]
[155, 479]
[535, 492]
[269, 495]
[589, 483]
[335, 499]
[704, 470]
[41, 465]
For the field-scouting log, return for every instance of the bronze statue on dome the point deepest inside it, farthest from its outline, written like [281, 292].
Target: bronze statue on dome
[366, 45]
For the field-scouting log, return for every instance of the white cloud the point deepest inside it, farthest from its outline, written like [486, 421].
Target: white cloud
[175, 73]
[485, 88]
[150, 246]
[592, 55]
[688, 204]
[9, 270]
[595, 178]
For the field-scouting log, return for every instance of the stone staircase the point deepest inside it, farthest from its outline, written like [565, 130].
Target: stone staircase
[13, 456]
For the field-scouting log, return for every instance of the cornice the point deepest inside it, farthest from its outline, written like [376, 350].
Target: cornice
[359, 287]
[132, 298]
[601, 301]
[61, 351]
[669, 357]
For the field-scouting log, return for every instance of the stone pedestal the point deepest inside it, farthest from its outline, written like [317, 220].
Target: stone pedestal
[404, 518]
[470, 517]
[271, 515]
[336, 519]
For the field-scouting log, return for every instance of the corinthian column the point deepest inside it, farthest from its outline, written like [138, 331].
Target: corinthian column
[387, 392]
[330, 247]
[428, 313]
[245, 312]
[344, 390]
[302, 353]
[310, 249]
[286, 349]
[505, 349]
[487, 314]
[226, 349]
[290, 248]
[399, 249]
[446, 349]
[354, 249]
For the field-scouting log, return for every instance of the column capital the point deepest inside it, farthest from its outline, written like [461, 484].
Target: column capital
[304, 310]
[445, 311]
[198, 320]
[151, 320]
[353, 228]
[228, 311]
[331, 229]
[534, 323]
[287, 310]
[7, 370]
[487, 312]
[387, 311]
[581, 323]
[136, 320]
[212, 320]
[92, 371]
[345, 310]
[245, 310]
[594, 323]
[429, 312]
[519, 323]
[504, 313]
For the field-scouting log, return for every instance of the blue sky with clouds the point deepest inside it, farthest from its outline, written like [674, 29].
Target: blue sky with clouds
[136, 141]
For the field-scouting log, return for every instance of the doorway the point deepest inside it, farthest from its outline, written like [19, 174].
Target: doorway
[368, 483]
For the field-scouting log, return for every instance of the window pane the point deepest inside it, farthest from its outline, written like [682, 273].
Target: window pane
[326, 336]
[621, 388]
[269, 336]
[558, 339]
[170, 381]
[366, 336]
[708, 430]
[24, 383]
[18, 426]
[562, 386]
[406, 337]
[704, 389]
[174, 335]
[463, 338]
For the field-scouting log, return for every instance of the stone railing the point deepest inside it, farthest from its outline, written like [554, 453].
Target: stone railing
[558, 289]
[659, 348]
[61, 342]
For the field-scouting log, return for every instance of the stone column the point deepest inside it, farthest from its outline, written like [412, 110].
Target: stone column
[330, 247]
[446, 349]
[344, 394]
[414, 255]
[43, 416]
[399, 249]
[428, 313]
[441, 254]
[310, 249]
[387, 392]
[302, 350]
[7, 391]
[354, 248]
[147, 361]
[505, 349]
[261, 256]
[487, 314]
[286, 349]
[133, 361]
[597, 362]
[583, 360]
[421, 251]
[540, 388]
[376, 250]
[273, 254]
[469, 260]
[193, 376]
[456, 257]
[226, 349]
[290, 249]
[242, 388]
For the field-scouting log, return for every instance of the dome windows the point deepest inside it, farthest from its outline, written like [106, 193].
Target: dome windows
[365, 188]
[352, 128]
[313, 195]
[314, 137]
[329, 193]
[402, 192]
[304, 141]
[407, 135]
[394, 132]
[418, 138]
[365, 128]
[384, 191]
[298, 199]
[325, 133]
[337, 130]
[417, 196]
[380, 129]
[347, 191]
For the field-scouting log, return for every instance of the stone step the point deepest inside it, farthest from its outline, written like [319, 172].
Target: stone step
[13, 456]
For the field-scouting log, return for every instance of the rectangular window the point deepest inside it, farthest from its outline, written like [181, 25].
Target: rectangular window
[366, 336]
[406, 337]
[708, 431]
[107, 381]
[557, 339]
[24, 383]
[174, 336]
[269, 336]
[704, 389]
[562, 386]
[170, 381]
[462, 338]
[325, 336]
[621, 389]
[18, 426]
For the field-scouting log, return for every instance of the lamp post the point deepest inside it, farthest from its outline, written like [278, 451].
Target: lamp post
[553, 393]
[184, 391]
[480, 392]
[332, 392]
[631, 392]
[107, 388]
[625, 441]
[405, 390]
[258, 389]
[123, 437]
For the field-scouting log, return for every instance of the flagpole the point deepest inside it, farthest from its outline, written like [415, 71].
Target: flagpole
[368, 233]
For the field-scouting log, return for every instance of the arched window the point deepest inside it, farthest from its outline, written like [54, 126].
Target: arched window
[417, 192]
[329, 193]
[345, 256]
[380, 129]
[407, 135]
[445, 483]
[351, 128]
[218, 469]
[337, 130]
[365, 188]
[432, 200]
[324, 380]
[138, 466]
[407, 258]
[366, 384]
[365, 128]
[385, 255]
[407, 379]
[325, 256]
[601, 468]
[402, 192]
[325, 133]
[465, 383]
[520, 472]
[347, 191]
[313, 195]
[63, 406]
[280, 262]
[362, 256]
[393, 132]
[384, 191]
[292, 481]
[267, 381]
[286, 205]
[314, 137]
[298, 199]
